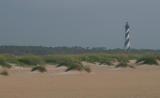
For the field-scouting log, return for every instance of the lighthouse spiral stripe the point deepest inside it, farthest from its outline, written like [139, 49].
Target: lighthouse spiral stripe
[127, 37]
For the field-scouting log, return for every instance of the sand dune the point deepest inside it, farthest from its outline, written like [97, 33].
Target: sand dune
[102, 82]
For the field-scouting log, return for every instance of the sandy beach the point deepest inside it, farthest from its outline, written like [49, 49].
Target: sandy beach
[102, 82]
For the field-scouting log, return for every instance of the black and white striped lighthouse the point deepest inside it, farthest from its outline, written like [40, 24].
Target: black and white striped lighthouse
[127, 37]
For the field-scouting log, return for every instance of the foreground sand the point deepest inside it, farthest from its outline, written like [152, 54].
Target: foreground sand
[102, 82]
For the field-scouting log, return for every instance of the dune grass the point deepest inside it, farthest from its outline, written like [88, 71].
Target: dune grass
[51, 59]
[39, 68]
[10, 58]
[122, 64]
[148, 59]
[3, 62]
[87, 69]
[74, 62]
[97, 58]
[4, 73]
[30, 60]
[123, 60]
[70, 62]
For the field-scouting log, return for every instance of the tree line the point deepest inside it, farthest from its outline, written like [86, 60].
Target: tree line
[41, 50]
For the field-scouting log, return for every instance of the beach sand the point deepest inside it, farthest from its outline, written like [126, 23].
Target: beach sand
[102, 82]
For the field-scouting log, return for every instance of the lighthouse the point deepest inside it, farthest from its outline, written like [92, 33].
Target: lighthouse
[127, 37]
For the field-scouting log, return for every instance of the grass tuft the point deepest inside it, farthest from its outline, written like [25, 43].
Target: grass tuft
[87, 69]
[97, 58]
[4, 63]
[122, 64]
[4, 73]
[30, 60]
[39, 68]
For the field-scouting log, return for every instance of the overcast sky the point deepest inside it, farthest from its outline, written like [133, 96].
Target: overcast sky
[80, 23]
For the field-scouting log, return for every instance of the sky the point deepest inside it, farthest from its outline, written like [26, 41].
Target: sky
[86, 23]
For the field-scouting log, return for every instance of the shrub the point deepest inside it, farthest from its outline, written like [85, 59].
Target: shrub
[148, 59]
[4, 73]
[39, 68]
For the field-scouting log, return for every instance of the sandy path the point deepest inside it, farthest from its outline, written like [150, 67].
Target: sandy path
[125, 83]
